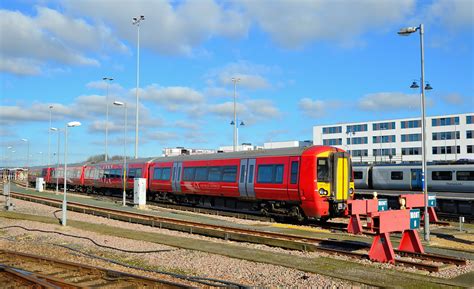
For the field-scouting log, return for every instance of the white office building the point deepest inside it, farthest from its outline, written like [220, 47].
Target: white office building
[287, 144]
[178, 151]
[448, 138]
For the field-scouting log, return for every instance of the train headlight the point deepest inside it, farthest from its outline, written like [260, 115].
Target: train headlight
[323, 192]
[351, 191]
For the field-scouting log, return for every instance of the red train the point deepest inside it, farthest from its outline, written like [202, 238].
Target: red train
[313, 182]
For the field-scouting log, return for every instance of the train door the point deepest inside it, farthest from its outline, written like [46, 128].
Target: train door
[416, 183]
[293, 173]
[341, 175]
[247, 178]
[176, 178]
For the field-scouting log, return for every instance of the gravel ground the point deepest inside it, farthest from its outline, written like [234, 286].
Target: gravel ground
[236, 270]
[170, 259]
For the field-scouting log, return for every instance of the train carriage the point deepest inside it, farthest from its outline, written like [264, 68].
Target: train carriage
[312, 182]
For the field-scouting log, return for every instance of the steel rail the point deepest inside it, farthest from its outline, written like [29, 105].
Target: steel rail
[93, 273]
[304, 243]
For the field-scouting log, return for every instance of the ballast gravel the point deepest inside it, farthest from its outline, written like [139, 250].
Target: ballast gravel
[255, 274]
[168, 258]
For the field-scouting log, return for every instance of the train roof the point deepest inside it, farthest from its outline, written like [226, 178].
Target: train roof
[294, 151]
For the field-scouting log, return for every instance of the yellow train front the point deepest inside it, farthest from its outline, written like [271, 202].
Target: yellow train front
[326, 182]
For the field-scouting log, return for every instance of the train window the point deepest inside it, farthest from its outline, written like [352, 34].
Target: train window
[442, 176]
[251, 174]
[215, 174]
[323, 170]
[279, 174]
[157, 173]
[229, 174]
[242, 173]
[265, 174]
[188, 174]
[398, 175]
[294, 173]
[200, 174]
[165, 175]
[465, 175]
[358, 175]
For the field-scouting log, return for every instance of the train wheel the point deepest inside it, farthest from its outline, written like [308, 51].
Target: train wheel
[295, 212]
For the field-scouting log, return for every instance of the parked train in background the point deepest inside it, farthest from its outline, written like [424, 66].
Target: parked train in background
[303, 183]
[455, 177]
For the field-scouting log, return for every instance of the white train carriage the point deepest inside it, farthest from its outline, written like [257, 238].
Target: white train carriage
[441, 178]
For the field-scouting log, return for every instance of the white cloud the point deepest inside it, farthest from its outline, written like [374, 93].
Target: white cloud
[32, 42]
[451, 13]
[313, 108]
[390, 101]
[293, 24]
[173, 98]
[249, 111]
[102, 85]
[453, 99]
[169, 27]
[250, 75]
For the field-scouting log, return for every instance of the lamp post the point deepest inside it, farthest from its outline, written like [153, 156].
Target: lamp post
[8, 156]
[124, 174]
[27, 158]
[235, 80]
[57, 154]
[64, 209]
[404, 32]
[49, 135]
[108, 80]
[237, 134]
[136, 21]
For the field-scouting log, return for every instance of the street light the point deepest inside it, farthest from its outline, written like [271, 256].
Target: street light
[235, 80]
[8, 156]
[404, 32]
[27, 158]
[136, 21]
[108, 80]
[237, 134]
[69, 124]
[124, 174]
[49, 135]
[57, 154]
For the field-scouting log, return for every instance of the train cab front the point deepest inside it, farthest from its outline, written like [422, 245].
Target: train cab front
[334, 182]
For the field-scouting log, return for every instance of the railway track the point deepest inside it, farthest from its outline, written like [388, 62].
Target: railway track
[33, 271]
[429, 262]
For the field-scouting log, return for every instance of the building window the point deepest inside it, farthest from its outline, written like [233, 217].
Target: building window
[469, 119]
[443, 121]
[411, 137]
[445, 135]
[383, 152]
[441, 150]
[469, 134]
[469, 149]
[357, 140]
[383, 139]
[411, 123]
[383, 125]
[332, 142]
[411, 151]
[357, 128]
[359, 153]
[331, 130]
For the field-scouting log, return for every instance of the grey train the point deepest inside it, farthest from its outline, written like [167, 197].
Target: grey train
[441, 178]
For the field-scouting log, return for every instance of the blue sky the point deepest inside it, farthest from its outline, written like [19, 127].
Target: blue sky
[301, 63]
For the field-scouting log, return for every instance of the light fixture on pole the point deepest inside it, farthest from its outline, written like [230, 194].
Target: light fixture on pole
[27, 159]
[237, 130]
[404, 32]
[136, 21]
[49, 135]
[64, 209]
[108, 80]
[235, 80]
[124, 172]
[57, 155]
